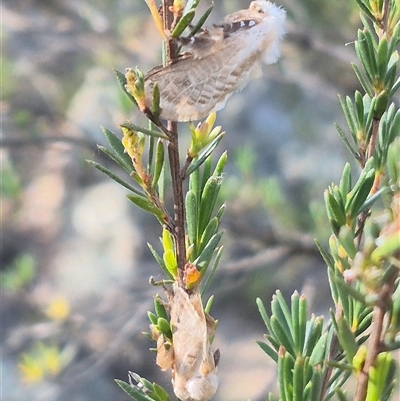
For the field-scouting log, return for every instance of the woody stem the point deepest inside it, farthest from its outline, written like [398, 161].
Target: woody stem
[174, 160]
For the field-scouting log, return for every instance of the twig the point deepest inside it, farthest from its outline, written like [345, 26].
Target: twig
[375, 339]
[174, 159]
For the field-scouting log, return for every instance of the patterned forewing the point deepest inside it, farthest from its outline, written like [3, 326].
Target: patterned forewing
[191, 88]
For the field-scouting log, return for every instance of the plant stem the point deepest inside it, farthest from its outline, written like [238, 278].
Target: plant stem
[174, 159]
[375, 339]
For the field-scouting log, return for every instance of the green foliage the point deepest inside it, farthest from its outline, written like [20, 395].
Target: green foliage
[20, 274]
[314, 360]
[364, 248]
[146, 154]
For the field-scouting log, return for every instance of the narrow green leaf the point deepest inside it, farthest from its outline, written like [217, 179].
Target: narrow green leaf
[316, 384]
[151, 147]
[219, 168]
[284, 382]
[131, 126]
[281, 311]
[346, 239]
[287, 372]
[295, 313]
[350, 116]
[318, 352]
[158, 164]
[382, 58]
[366, 55]
[107, 172]
[370, 115]
[204, 259]
[220, 212]
[137, 395]
[161, 394]
[152, 317]
[358, 100]
[345, 181]
[209, 304]
[159, 307]
[364, 322]
[194, 183]
[282, 336]
[201, 21]
[161, 186]
[191, 4]
[313, 334]
[325, 255]
[366, 10]
[164, 327]
[390, 78]
[183, 23]
[268, 350]
[372, 199]
[302, 322]
[155, 104]
[336, 215]
[215, 264]
[147, 206]
[206, 173]
[118, 148]
[263, 313]
[210, 230]
[160, 261]
[208, 201]
[122, 82]
[113, 156]
[346, 339]
[381, 104]
[192, 220]
[366, 84]
[298, 379]
[359, 194]
[350, 291]
[205, 153]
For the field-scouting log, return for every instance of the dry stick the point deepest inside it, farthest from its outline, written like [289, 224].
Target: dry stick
[174, 161]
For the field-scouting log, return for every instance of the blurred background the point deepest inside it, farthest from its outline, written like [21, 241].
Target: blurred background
[74, 258]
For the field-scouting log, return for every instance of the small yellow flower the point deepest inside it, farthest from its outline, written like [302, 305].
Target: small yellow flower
[203, 134]
[59, 309]
[40, 362]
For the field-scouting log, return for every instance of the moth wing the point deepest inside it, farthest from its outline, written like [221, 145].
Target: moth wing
[190, 89]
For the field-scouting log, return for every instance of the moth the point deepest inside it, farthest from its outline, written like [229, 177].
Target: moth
[218, 62]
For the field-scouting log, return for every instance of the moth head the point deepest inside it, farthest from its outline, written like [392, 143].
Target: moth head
[263, 7]
[272, 25]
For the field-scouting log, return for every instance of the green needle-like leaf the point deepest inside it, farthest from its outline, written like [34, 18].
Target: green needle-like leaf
[147, 206]
[271, 352]
[134, 127]
[137, 395]
[282, 336]
[122, 82]
[158, 164]
[183, 23]
[114, 177]
[346, 339]
[192, 219]
[201, 21]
